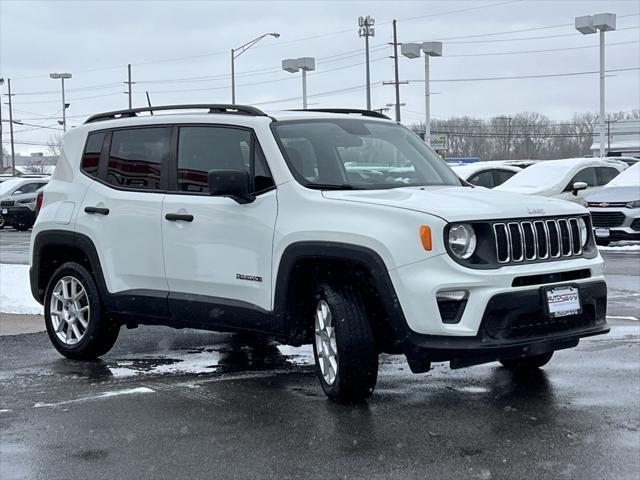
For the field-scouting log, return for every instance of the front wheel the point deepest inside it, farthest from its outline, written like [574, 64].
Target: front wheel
[73, 315]
[344, 347]
[527, 363]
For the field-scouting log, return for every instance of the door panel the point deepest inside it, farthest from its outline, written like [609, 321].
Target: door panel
[225, 251]
[128, 239]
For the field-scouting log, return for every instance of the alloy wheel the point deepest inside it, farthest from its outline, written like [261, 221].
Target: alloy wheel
[69, 310]
[326, 346]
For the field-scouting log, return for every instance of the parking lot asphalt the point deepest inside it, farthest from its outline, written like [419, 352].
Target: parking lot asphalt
[172, 404]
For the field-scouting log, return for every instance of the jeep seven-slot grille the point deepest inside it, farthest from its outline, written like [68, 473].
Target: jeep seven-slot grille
[7, 203]
[525, 240]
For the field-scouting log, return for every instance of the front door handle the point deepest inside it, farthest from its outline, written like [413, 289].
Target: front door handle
[98, 210]
[179, 217]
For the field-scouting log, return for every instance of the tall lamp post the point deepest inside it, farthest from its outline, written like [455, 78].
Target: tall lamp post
[1, 145]
[306, 64]
[366, 30]
[586, 25]
[430, 49]
[236, 52]
[62, 77]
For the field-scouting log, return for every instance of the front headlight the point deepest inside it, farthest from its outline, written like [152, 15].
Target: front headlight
[462, 240]
[584, 231]
[634, 204]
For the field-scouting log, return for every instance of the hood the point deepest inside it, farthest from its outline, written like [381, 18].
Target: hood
[525, 189]
[615, 194]
[460, 203]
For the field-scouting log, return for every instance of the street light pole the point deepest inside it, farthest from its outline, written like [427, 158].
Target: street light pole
[13, 150]
[236, 52]
[430, 49]
[1, 144]
[366, 30]
[62, 77]
[306, 64]
[588, 24]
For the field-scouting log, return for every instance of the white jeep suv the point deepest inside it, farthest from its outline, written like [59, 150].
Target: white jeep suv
[338, 228]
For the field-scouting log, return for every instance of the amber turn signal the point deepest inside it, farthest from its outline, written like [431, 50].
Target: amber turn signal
[425, 237]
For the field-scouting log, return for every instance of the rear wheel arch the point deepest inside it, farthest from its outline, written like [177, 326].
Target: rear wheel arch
[52, 248]
[304, 265]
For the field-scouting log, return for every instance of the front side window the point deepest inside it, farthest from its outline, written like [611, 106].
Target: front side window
[30, 187]
[136, 157]
[502, 176]
[586, 175]
[482, 179]
[91, 156]
[202, 148]
[359, 154]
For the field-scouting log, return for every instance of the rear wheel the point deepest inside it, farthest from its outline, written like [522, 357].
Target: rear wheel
[73, 314]
[344, 347]
[527, 363]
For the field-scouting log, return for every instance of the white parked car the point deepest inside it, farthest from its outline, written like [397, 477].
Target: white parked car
[615, 209]
[18, 192]
[485, 174]
[569, 179]
[338, 228]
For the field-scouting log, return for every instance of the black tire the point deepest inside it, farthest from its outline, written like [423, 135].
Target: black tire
[527, 363]
[22, 227]
[101, 332]
[357, 357]
[603, 242]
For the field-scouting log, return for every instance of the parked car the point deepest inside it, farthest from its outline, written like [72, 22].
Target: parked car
[338, 228]
[630, 161]
[569, 179]
[485, 174]
[17, 193]
[615, 209]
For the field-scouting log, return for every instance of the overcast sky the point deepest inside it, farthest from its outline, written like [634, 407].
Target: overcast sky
[180, 54]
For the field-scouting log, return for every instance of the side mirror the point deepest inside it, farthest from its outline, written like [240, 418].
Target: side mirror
[577, 186]
[235, 184]
[17, 192]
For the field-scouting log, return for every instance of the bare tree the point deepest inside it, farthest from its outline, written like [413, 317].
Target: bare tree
[35, 165]
[55, 144]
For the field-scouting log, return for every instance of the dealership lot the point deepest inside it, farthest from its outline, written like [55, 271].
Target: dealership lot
[170, 403]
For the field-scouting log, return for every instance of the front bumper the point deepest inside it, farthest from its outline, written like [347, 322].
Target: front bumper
[17, 215]
[513, 324]
[616, 223]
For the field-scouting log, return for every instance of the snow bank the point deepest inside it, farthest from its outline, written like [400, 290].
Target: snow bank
[621, 248]
[15, 292]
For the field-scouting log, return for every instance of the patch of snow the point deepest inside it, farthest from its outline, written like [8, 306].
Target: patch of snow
[116, 393]
[620, 248]
[15, 291]
[298, 355]
[174, 363]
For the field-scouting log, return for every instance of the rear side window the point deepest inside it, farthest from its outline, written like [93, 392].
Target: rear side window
[606, 174]
[502, 176]
[201, 149]
[136, 157]
[91, 156]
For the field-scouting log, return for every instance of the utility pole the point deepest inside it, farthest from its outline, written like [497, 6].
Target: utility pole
[13, 151]
[395, 62]
[129, 83]
[508, 119]
[608, 136]
[366, 30]
[1, 145]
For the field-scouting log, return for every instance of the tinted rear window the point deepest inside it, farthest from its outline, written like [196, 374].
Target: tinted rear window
[91, 157]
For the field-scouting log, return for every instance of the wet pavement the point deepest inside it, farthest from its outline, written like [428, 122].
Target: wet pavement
[173, 404]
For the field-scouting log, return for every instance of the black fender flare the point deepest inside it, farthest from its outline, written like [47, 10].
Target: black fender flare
[365, 257]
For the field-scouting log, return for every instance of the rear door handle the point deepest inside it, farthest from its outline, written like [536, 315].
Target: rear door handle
[179, 217]
[98, 210]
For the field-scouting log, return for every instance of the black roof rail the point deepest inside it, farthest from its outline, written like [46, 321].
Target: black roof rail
[212, 108]
[364, 113]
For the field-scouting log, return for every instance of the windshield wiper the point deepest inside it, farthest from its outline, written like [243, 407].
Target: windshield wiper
[330, 186]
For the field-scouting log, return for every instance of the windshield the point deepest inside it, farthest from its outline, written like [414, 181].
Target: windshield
[629, 178]
[359, 154]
